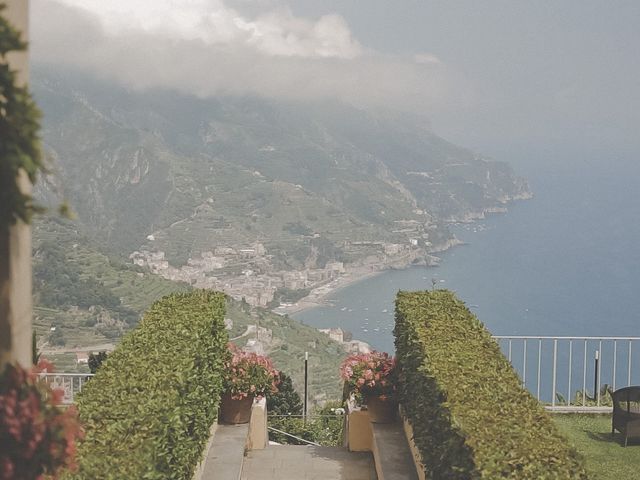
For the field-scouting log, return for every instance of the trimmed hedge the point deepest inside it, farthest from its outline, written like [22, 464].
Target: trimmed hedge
[470, 416]
[148, 411]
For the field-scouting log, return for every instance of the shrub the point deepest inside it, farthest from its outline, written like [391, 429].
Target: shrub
[96, 360]
[324, 426]
[471, 418]
[36, 435]
[148, 411]
[370, 374]
[286, 400]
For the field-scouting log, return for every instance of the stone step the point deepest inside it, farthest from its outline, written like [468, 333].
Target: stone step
[299, 462]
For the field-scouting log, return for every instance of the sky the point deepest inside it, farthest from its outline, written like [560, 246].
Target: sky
[495, 75]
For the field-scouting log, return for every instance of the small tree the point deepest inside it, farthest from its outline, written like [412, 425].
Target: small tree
[95, 360]
[286, 400]
[35, 355]
[56, 338]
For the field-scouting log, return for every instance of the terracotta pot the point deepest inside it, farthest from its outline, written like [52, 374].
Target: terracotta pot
[382, 410]
[235, 411]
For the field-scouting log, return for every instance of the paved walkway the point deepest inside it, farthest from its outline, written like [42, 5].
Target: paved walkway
[393, 455]
[294, 462]
[225, 457]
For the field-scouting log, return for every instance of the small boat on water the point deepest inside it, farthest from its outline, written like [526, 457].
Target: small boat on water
[385, 310]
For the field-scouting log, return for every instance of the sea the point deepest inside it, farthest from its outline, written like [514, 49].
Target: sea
[566, 262]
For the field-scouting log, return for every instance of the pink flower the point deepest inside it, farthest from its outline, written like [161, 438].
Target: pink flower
[371, 373]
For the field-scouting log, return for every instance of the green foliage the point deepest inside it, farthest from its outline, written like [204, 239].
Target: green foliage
[95, 361]
[19, 126]
[297, 228]
[471, 418]
[585, 398]
[286, 400]
[60, 283]
[35, 355]
[324, 426]
[148, 411]
[56, 338]
[287, 295]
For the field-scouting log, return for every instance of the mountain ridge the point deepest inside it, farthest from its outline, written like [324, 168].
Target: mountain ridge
[136, 164]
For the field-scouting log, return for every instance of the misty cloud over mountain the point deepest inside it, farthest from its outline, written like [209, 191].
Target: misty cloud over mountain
[207, 48]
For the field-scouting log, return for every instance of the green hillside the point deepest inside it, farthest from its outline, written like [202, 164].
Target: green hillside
[92, 300]
[265, 189]
[198, 173]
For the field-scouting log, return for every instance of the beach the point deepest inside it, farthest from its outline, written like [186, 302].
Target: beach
[318, 296]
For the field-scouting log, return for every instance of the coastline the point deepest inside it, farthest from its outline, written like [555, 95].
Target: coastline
[319, 295]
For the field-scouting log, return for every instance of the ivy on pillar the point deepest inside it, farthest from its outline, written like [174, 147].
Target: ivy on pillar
[20, 163]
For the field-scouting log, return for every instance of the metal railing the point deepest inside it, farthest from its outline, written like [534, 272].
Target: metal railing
[70, 383]
[315, 429]
[552, 367]
[289, 435]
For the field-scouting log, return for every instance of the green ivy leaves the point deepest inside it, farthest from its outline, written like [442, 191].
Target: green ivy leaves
[19, 126]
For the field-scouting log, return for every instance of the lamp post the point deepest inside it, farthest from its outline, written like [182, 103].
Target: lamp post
[596, 393]
[306, 383]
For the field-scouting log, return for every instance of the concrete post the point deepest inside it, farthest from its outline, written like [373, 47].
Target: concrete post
[258, 437]
[15, 245]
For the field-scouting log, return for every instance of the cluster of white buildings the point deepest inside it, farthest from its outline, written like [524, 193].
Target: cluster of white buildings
[256, 284]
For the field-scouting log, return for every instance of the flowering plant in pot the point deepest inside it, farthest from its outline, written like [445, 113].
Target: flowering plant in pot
[371, 377]
[38, 438]
[248, 375]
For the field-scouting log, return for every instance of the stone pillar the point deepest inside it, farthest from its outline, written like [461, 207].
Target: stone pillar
[15, 245]
[258, 437]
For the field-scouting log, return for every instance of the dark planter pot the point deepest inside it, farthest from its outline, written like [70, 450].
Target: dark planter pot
[235, 411]
[382, 410]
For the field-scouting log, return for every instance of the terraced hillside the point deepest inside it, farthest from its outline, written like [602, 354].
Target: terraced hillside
[198, 173]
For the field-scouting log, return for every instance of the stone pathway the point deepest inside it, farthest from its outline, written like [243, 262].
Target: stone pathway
[294, 462]
[393, 455]
[226, 455]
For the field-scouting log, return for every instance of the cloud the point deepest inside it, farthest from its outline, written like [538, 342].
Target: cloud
[206, 48]
[213, 23]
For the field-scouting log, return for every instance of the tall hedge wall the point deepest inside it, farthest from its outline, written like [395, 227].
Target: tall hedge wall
[148, 411]
[470, 416]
